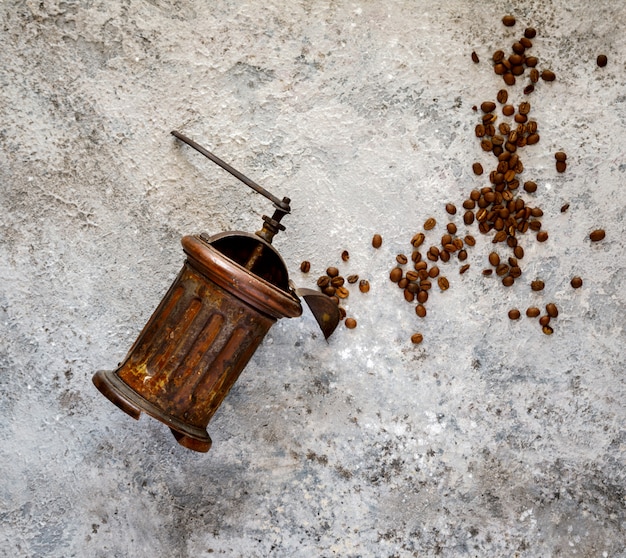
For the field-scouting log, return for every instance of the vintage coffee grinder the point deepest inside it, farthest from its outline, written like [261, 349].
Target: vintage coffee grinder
[232, 288]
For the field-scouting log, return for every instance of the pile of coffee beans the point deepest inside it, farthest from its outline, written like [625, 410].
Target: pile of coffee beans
[336, 287]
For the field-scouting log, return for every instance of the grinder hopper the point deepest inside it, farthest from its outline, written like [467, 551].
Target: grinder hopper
[232, 288]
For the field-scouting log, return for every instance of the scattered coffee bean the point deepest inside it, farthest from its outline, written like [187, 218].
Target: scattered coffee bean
[533, 312]
[547, 330]
[544, 320]
[542, 236]
[529, 89]
[524, 108]
[576, 282]
[329, 290]
[487, 272]
[422, 297]
[552, 310]
[332, 272]
[417, 338]
[345, 255]
[377, 241]
[602, 60]
[395, 275]
[597, 235]
[514, 314]
[468, 217]
[508, 110]
[451, 228]
[537, 285]
[433, 272]
[323, 282]
[519, 252]
[508, 281]
[488, 106]
[475, 58]
[409, 295]
[508, 20]
[548, 75]
[420, 310]
[353, 278]
[337, 281]
[401, 259]
[418, 239]
[564, 208]
[470, 240]
[502, 96]
[464, 268]
[305, 266]
[429, 224]
[342, 292]
[450, 207]
[350, 323]
[560, 156]
[478, 169]
[443, 283]
[530, 33]
[494, 259]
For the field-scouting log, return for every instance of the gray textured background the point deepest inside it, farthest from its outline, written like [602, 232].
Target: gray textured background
[489, 439]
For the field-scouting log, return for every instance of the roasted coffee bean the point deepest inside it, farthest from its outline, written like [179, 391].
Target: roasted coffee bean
[446, 239]
[434, 251]
[576, 282]
[468, 217]
[533, 312]
[498, 56]
[475, 58]
[530, 186]
[519, 252]
[329, 290]
[508, 110]
[542, 236]
[513, 261]
[548, 75]
[418, 239]
[544, 320]
[352, 278]
[469, 204]
[342, 292]
[417, 338]
[508, 281]
[499, 69]
[500, 236]
[502, 96]
[518, 48]
[532, 139]
[422, 265]
[547, 330]
[464, 268]
[520, 119]
[529, 89]
[534, 75]
[536, 212]
[396, 274]
[486, 145]
[517, 59]
[470, 240]
[561, 166]
[345, 255]
[444, 256]
[337, 281]
[462, 255]
[524, 108]
[425, 284]
[409, 295]
[509, 79]
[401, 259]
[531, 61]
[597, 235]
[564, 207]
[342, 312]
[332, 272]
[530, 33]
[488, 106]
[537, 285]
[377, 241]
[323, 281]
[526, 42]
[514, 314]
[433, 272]
[488, 119]
[422, 296]
[560, 156]
[508, 20]
[477, 168]
[494, 259]
[502, 270]
[412, 275]
[450, 248]
[416, 256]
[429, 224]
[443, 283]
[305, 266]
[403, 283]
[552, 310]
[451, 228]
[480, 130]
[420, 310]
[602, 60]
[350, 323]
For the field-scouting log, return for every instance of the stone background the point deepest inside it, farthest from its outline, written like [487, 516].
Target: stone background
[488, 439]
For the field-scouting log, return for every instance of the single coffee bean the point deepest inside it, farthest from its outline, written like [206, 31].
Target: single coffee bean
[508, 281]
[532, 139]
[469, 204]
[547, 330]
[488, 106]
[462, 255]
[548, 75]
[531, 61]
[602, 60]
[526, 42]
[519, 252]
[502, 270]
[494, 259]
[409, 295]
[443, 283]
[544, 320]
[429, 224]
[305, 266]
[536, 212]
[418, 239]
[537, 285]
[486, 145]
[420, 310]
[475, 58]
[403, 283]
[470, 240]
[395, 275]
[500, 236]
[552, 310]
[533, 312]
[508, 110]
[518, 48]
[498, 56]
[529, 89]
[323, 282]
[468, 217]
[345, 255]
[509, 78]
[520, 119]
[413, 287]
[332, 272]
[352, 279]
[508, 20]
[425, 285]
[433, 272]
[477, 168]
[342, 312]
[597, 235]
[422, 297]
[560, 156]
[417, 338]
[530, 33]
[564, 207]
[337, 281]
[342, 292]
[401, 259]
[517, 59]
[576, 282]
[350, 323]
[480, 130]
[451, 228]
[412, 275]
[464, 268]
[542, 236]
[502, 96]
[420, 266]
[487, 272]
[377, 241]
[514, 314]
[524, 108]
[534, 75]
[329, 290]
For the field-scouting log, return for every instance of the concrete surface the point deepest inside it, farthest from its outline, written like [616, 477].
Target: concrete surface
[488, 439]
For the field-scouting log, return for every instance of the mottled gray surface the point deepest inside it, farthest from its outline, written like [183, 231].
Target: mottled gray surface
[489, 439]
